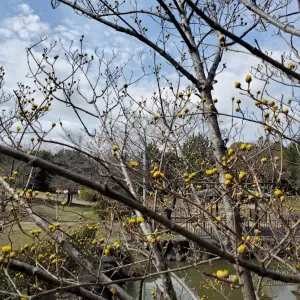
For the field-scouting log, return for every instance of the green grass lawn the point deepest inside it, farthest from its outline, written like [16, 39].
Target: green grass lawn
[18, 234]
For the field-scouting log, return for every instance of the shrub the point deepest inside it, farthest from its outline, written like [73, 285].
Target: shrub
[87, 195]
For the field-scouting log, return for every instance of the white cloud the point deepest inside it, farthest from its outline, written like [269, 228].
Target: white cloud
[25, 28]
[25, 9]
[6, 33]
[26, 25]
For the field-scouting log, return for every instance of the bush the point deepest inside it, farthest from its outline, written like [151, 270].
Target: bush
[87, 195]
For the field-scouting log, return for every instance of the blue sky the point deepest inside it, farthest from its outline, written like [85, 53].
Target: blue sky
[42, 8]
[22, 22]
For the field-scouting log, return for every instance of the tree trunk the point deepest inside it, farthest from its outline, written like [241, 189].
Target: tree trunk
[69, 199]
[232, 214]
[159, 260]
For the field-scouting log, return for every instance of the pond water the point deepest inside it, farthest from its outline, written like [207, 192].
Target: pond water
[199, 283]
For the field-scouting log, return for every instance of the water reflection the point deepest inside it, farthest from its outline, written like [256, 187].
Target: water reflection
[199, 284]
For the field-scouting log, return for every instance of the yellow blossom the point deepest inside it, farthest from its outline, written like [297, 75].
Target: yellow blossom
[117, 245]
[140, 220]
[211, 171]
[52, 256]
[248, 78]
[237, 85]
[156, 116]
[278, 193]
[158, 174]
[28, 196]
[242, 175]
[6, 249]
[249, 146]
[51, 227]
[41, 256]
[243, 147]
[134, 164]
[241, 249]
[230, 151]
[285, 111]
[222, 274]
[192, 175]
[264, 159]
[234, 279]
[228, 176]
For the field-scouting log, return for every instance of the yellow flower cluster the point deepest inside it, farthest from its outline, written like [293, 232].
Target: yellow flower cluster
[35, 232]
[6, 249]
[243, 146]
[21, 276]
[156, 173]
[211, 171]
[264, 160]
[230, 151]
[134, 164]
[242, 175]
[153, 239]
[241, 249]
[237, 85]
[117, 245]
[54, 226]
[92, 227]
[28, 196]
[228, 176]
[278, 193]
[285, 111]
[115, 148]
[188, 177]
[248, 78]
[134, 220]
[222, 274]
[41, 256]
[107, 250]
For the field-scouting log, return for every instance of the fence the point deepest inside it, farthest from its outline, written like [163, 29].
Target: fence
[272, 228]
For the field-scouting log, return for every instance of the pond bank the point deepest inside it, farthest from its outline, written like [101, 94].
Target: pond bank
[208, 288]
